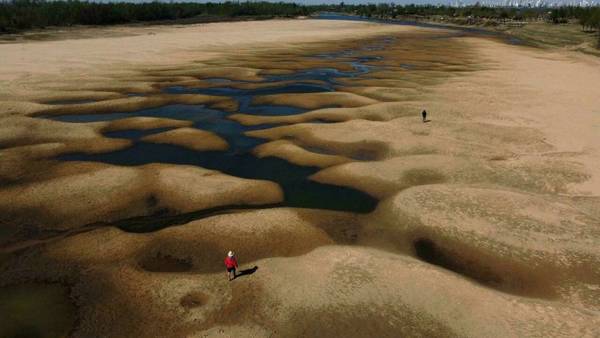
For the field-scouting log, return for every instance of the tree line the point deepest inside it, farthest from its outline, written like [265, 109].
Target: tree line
[475, 11]
[17, 15]
[587, 17]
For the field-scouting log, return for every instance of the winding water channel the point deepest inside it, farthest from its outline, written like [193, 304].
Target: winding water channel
[238, 160]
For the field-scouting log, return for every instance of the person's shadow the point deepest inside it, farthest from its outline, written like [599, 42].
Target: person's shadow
[247, 272]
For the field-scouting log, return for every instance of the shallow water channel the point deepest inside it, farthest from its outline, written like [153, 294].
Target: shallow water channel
[238, 160]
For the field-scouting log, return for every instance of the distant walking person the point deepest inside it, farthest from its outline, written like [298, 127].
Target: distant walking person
[231, 264]
[424, 114]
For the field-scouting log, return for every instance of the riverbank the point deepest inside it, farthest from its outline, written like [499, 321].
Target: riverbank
[567, 36]
[113, 48]
[124, 29]
[485, 219]
[541, 34]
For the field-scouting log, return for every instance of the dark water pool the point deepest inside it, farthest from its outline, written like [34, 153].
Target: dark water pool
[70, 101]
[238, 160]
[298, 190]
[173, 111]
[135, 134]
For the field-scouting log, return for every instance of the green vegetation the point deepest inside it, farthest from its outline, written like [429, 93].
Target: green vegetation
[20, 15]
[36, 310]
[589, 15]
[535, 22]
[569, 36]
[474, 12]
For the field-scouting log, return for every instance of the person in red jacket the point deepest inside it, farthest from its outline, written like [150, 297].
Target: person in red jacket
[231, 264]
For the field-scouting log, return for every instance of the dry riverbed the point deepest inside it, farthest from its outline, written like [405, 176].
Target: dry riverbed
[486, 220]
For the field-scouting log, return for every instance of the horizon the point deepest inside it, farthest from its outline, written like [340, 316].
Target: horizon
[450, 3]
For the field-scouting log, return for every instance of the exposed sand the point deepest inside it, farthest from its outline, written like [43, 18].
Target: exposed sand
[314, 101]
[550, 92]
[488, 224]
[296, 154]
[169, 44]
[103, 193]
[199, 140]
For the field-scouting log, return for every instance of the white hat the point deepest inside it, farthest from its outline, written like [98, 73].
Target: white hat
[230, 254]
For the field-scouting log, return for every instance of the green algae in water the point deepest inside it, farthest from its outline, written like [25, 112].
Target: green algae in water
[36, 310]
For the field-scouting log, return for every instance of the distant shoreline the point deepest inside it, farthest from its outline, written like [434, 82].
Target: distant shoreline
[538, 34]
[21, 16]
[51, 33]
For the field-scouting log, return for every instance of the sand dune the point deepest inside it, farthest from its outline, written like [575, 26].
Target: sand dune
[110, 193]
[318, 100]
[199, 140]
[171, 44]
[377, 112]
[416, 298]
[296, 154]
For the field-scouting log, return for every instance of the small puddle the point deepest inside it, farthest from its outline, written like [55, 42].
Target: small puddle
[218, 80]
